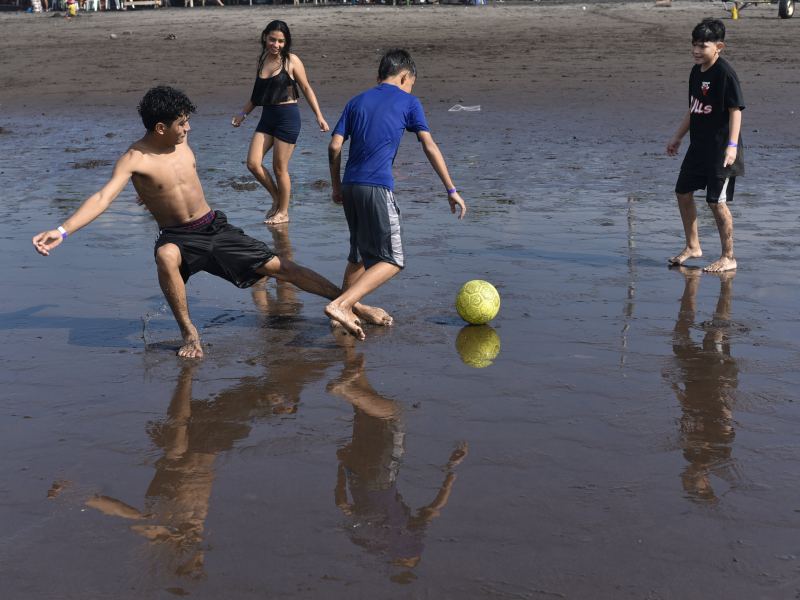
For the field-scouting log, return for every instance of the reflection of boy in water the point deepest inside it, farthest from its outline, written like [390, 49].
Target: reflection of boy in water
[193, 237]
[193, 435]
[709, 374]
[381, 521]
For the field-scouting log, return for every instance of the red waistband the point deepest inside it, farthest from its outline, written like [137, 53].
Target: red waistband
[197, 223]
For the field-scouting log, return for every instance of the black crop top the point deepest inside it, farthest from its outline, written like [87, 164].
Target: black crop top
[274, 90]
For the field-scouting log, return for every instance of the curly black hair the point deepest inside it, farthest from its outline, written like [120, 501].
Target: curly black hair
[164, 104]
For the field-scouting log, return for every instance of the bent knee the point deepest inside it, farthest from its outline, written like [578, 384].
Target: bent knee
[254, 166]
[168, 256]
[278, 268]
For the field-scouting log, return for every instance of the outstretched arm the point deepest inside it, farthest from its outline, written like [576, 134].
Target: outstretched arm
[427, 513]
[675, 141]
[437, 162]
[335, 164]
[91, 208]
[299, 73]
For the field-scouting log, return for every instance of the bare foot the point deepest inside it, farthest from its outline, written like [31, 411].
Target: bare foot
[347, 319]
[685, 255]
[343, 385]
[277, 218]
[154, 533]
[191, 345]
[373, 315]
[272, 210]
[723, 264]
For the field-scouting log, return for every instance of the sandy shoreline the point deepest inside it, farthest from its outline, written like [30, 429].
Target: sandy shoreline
[619, 59]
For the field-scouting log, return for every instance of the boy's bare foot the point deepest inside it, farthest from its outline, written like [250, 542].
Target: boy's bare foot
[347, 319]
[277, 218]
[373, 315]
[685, 255]
[719, 266]
[349, 377]
[191, 345]
[154, 533]
[273, 209]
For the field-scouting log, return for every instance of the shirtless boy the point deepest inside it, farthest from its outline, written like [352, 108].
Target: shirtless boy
[375, 121]
[715, 156]
[192, 237]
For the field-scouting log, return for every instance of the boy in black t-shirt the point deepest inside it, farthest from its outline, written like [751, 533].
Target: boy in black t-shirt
[715, 156]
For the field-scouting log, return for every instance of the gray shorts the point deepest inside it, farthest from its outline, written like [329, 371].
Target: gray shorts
[374, 222]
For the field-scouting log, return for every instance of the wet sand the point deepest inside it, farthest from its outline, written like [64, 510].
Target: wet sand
[635, 437]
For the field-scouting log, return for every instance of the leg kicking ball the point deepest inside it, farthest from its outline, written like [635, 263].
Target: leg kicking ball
[478, 302]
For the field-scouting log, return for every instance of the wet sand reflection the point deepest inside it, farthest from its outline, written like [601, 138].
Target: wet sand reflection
[196, 432]
[379, 520]
[705, 382]
[285, 292]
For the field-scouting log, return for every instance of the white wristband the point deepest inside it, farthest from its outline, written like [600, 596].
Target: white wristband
[63, 232]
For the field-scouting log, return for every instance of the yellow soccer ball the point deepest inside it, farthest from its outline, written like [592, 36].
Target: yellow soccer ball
[478, 302]
[478, 346]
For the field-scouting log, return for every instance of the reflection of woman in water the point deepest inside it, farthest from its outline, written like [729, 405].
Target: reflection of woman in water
[380, 520]
[286, 303]
[280, 73]
[710, 376]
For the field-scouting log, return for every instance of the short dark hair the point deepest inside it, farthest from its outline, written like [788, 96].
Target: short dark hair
[164, 104]
[395, 61]
[709, 30]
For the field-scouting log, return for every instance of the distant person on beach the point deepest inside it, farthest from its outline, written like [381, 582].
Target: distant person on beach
[280, 73]
[715, 156]
[192, 237]
[374, 122]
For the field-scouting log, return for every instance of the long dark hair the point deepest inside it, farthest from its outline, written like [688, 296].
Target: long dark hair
[287, 47]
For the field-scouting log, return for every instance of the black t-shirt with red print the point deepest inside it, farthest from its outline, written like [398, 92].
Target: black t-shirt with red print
[711, 94]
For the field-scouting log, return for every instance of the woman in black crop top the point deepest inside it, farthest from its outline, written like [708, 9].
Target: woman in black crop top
[279, 80]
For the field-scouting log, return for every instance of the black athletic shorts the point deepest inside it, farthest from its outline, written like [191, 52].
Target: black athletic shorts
[374, 222]
[281, 121]
[213, 245]
[717, 189]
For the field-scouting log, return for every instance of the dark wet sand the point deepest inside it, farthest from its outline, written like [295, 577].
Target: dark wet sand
[636, 436]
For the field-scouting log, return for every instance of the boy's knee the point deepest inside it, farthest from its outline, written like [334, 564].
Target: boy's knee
[277, 267]
[168, 256]
[685, 197]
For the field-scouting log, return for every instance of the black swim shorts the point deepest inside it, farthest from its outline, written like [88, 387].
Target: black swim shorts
[374, 222]
[281, 121]
[717, 189]
[213, 245]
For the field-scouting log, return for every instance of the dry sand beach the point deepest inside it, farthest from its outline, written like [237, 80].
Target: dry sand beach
[635, 437]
